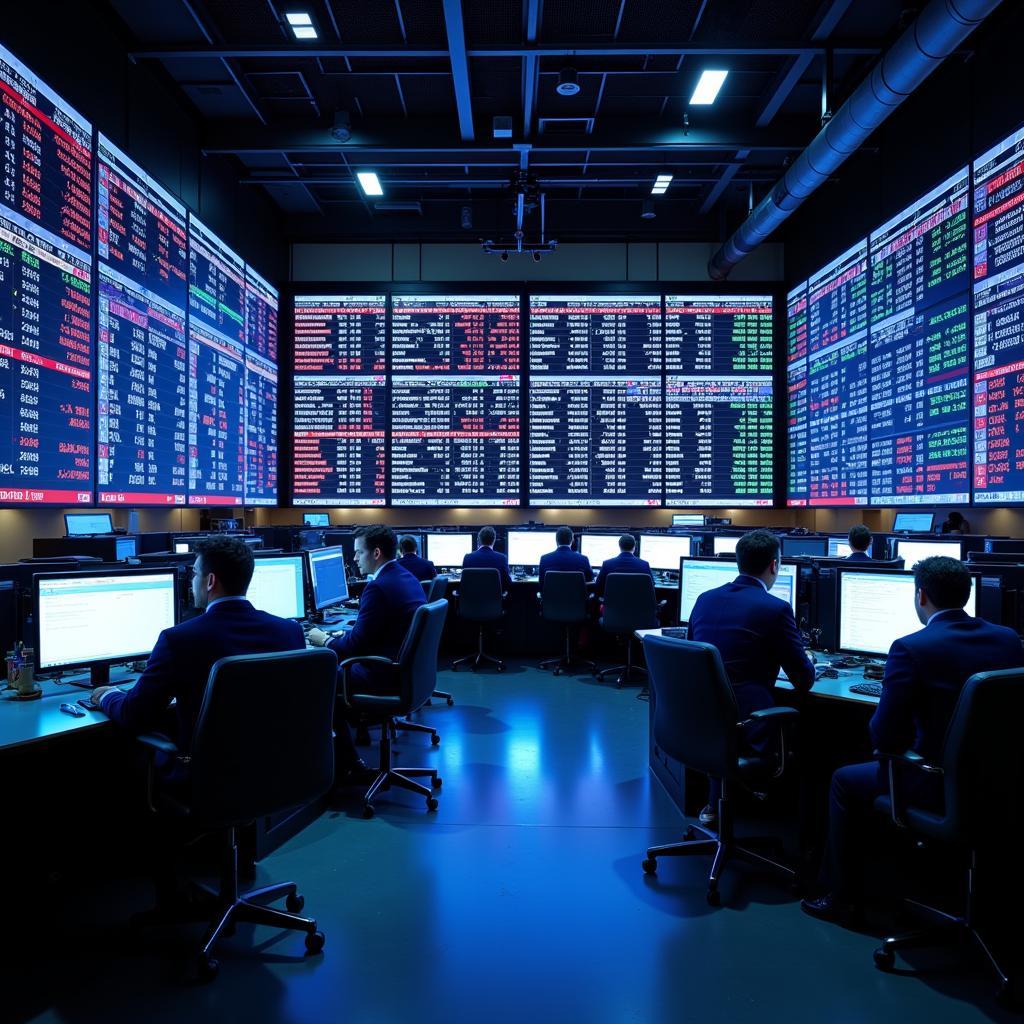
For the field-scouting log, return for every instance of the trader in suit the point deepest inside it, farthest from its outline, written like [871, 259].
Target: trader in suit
[860, 540]
[955, 523]
[411, 561]
[756, 634]
[624, 561]
[485, 557]
[563, 558]
[924, 675]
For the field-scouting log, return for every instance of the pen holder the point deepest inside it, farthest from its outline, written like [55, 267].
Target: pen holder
[21, 676]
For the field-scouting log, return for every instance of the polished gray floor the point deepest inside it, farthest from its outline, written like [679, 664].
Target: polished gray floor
[521, 899]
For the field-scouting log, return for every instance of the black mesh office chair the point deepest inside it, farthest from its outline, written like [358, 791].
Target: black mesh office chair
[982, 781]
[696, 722]
[629, 605]
[479, 599]
[254, 754]
[563, 600]
[414, 672]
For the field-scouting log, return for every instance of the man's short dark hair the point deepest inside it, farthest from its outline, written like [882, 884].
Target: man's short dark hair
[230, 560]
[563, 535]
[407, 545]
[945, 581]
[627, 542]
[859, 537]
[487, 536]
[379, 536]
[755, 551]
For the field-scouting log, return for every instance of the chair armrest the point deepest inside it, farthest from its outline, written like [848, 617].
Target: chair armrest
[770, 714]
[359, 659]
[912, 759]
[156, 741]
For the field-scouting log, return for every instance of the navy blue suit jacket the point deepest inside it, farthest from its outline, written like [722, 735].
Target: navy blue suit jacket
[564, 559]
[386, 608]
[421, 568]
[858, 556]
[625, 561]
[756, 635]
[488, 558]
[180, 664]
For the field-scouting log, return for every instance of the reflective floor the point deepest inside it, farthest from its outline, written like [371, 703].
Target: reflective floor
[521, 899]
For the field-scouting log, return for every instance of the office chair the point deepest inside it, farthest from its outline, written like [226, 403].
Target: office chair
[629, 605]
[413, 672]
[563, 599]
[252, 755]
[980, 776]
[436, 591]
[696, 722]
[479, 599]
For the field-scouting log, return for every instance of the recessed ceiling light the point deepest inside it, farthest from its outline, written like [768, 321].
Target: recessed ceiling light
[707, 88]
[299, 18]
[661, 184]
[370, 183]
[304, 31]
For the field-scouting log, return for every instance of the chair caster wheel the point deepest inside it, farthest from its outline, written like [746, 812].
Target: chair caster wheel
[650, 866]
[451, 702]
[557, 672]
[294, 903]
[368, 810]
[885, 959]
[206, 968]
[436, 782]
[501, 668]
[315, 943]
[435, 740]
[714, 898]
[431, 803]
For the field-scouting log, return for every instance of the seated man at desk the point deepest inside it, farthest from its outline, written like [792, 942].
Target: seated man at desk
[485, 557]
[756, 634]
[955, 523]
[860, 541]
[924, 675]
[410, 560]
[563, 558]
[624, 561]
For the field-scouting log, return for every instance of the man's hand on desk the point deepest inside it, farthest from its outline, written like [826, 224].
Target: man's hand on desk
[99, 691]
[317, 637]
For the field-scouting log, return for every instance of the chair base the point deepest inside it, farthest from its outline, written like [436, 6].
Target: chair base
[443, 695]
[405, 725]
[567, 660]
[389, 776]
[625, 672]
[480, 657]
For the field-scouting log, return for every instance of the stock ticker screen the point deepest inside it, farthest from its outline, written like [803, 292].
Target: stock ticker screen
[261, 313]
[998, 277]
[46, 280]
[797, 469]
[718, 400]
[340, 400]
[142, 347]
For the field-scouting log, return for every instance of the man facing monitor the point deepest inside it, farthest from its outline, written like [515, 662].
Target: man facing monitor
[485, 557]
[860, 540]
[756, 635]
[624, 561]
[563, 558]
[411, 561]
[924, 675]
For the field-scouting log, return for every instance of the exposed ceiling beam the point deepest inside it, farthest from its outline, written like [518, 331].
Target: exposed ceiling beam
[460, 66]
[724, 181]
[530, 65]
[588, 181]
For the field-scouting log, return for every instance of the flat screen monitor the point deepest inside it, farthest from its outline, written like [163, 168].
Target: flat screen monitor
[913, 522]
[599, 547]
[447, 550]
[912, 551]
[277, 586]
[663, 551]
[318, 519]
[839, 547]
[724, 545]
[876, 608]
[525, 547]
[87, 524]
[687, 519]
[327, 576]
[701, 574]
[182, 547]
[100, 618]
[794, 547]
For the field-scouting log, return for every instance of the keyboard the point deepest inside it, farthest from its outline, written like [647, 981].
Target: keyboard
[676, 632]
[867, 689]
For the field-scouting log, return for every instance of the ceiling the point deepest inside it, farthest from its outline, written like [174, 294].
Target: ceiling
[422, 81]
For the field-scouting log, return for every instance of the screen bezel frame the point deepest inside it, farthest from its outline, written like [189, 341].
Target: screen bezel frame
[311, 576]
[259, 556]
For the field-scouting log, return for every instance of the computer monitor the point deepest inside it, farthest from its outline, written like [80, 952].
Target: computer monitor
[913, 522]
[701, 574]
[795, 547]
[839, 547]
[87, 524]
[525, 547]
[327, 576]
[98, 618]
[277, 586]
[876, 608]
[598, 547]
[662, 551]
[447, 550]
[318, 519]
[912, 551]
[724, 545]
[687, 519]
[182, 547]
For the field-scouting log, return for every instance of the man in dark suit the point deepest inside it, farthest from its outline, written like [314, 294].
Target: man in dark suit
[756, 635]
[563, 558]
[924, 675]
[485, 557]
[624, 561]
[860, 540]
[421, 568]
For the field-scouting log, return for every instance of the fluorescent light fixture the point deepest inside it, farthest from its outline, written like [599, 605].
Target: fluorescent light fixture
[301, 24]
[661, 184]
[707, 89]
[299, 18]
[370, 183]
[304, 32]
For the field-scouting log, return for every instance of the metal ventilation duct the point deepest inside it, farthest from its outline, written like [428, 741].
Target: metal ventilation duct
[935, 34]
